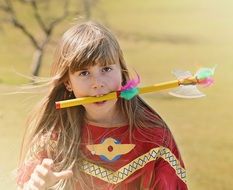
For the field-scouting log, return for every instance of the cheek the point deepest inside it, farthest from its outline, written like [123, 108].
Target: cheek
[117, 82]
[80, 92]
[80, 89]
[118, 85]
[77, 94]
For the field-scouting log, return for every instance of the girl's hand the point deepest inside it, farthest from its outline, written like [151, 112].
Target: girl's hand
[43, 176]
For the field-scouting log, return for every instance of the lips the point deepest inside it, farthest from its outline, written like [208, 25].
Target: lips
[101, 102]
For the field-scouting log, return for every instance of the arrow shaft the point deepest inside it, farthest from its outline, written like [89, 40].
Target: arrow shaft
[159, 87]
[114, 95]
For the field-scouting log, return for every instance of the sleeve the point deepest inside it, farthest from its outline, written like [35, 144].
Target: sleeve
[35, 155]
[169, 171]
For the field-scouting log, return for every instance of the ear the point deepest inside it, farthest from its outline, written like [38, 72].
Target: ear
[68, 86]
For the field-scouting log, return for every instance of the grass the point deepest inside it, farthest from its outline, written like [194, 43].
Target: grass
[156, 37]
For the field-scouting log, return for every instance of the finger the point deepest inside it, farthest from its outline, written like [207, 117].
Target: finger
[30, 186]
[37, 181]
[41, 171]
[47, 163]
[63, 174]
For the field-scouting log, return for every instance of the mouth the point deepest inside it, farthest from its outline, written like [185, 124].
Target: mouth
[101, 102]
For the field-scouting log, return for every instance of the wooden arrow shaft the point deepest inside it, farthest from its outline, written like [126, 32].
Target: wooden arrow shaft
[114, 95]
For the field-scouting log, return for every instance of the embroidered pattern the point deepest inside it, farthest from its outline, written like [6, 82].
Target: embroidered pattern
[115, 177]
[35, 155]
[110, 149]
[38, 150]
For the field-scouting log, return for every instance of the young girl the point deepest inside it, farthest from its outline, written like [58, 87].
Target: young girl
[114, 144]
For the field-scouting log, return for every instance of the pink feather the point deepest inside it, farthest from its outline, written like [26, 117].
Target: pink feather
[206, 82]
[131, 84]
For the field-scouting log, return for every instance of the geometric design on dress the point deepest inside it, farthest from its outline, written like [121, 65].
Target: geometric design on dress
[39, 147]
[115, 177]
[167, 155]
[109, 149]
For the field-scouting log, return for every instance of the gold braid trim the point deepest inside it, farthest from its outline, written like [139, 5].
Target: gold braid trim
[115, 177]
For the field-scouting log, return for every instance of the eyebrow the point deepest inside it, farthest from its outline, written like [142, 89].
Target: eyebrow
[82, 69]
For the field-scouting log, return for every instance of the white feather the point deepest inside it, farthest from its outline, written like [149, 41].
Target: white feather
[187, 91]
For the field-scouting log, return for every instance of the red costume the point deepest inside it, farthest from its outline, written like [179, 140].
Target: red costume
[147, 158]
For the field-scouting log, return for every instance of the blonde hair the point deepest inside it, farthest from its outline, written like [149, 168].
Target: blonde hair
[82, 46]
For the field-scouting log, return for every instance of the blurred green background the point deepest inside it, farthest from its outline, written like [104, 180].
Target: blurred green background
[156, 37]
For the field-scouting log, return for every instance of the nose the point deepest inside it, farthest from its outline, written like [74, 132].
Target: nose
[97, 82]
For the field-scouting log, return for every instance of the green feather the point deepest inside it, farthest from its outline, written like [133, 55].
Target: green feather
[129, 94]
[205, 73]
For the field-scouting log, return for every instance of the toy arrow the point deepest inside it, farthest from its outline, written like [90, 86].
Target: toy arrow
[186, 83]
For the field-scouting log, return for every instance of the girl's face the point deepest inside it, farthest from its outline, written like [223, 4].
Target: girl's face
[96, 81]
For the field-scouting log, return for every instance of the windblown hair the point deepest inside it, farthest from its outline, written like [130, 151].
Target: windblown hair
[83, 45]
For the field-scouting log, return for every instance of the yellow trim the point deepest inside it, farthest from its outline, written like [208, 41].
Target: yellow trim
[115, 177]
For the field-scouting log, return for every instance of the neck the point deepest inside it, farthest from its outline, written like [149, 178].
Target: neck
[107, 120]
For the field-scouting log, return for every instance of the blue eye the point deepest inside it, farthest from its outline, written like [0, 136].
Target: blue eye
[83, 73]
[106, 69]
